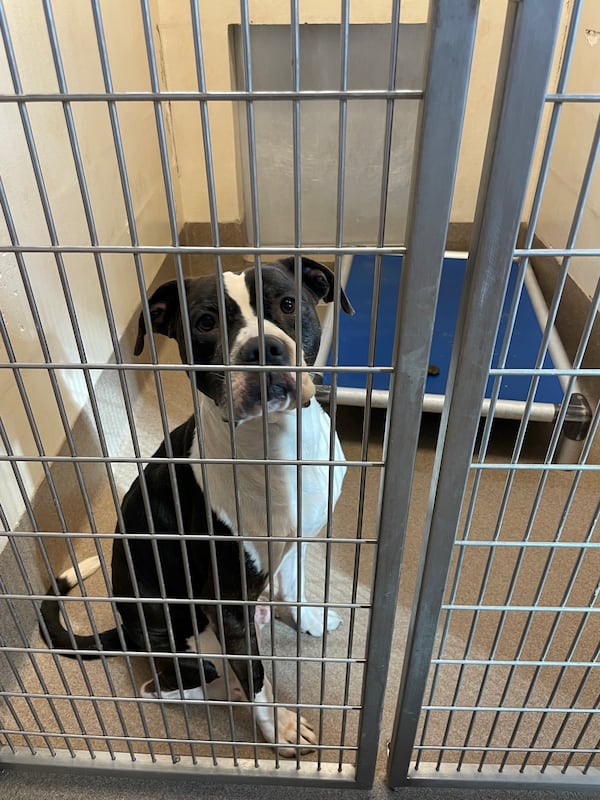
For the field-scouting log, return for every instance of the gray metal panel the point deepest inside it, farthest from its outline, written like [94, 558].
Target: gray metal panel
[452, 26]
[367, 71]
[523, 74]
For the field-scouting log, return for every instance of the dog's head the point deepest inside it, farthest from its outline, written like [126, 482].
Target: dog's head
[276, 347]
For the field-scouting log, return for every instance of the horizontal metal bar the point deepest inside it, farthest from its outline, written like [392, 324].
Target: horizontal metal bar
[586, 97]
[186, 654]
[98, 737]
[124, 367]
[551, 545]
[173, 601]
[548, 609]
[246, 250]
[180, 537]
[500, 749]
[228, 96]
[299, 462]
[558, 252]
[189, 701]
[544, 467]
[511, 709]
[337, 369]
[201, 769]
[470, 776]
[297, 604]
[513, 663]
[270, 250]
[546, 371]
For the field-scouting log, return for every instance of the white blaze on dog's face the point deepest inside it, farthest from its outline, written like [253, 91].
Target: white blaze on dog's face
[267, 344]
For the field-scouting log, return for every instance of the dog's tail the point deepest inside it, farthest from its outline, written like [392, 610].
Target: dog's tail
[56, 635]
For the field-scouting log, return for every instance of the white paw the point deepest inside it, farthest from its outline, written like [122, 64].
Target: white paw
[291, 730]
[311, 620]
[217, 690]
[148, 690]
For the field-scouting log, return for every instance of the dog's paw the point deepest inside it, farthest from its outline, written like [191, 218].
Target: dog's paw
[311, 620]
[291, 730]
[149, 691]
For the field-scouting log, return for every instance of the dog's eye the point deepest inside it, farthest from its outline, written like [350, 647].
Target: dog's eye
[288, 305]
[206, 322]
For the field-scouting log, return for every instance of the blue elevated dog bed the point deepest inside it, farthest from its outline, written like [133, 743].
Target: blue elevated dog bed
[355, 336]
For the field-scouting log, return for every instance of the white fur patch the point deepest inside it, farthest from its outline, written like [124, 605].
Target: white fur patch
[235, 286]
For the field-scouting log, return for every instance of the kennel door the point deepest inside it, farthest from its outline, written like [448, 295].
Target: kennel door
[498, 685]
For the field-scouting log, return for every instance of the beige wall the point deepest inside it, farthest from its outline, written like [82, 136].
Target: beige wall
[215, 18]
[571, 151]
[82, 66]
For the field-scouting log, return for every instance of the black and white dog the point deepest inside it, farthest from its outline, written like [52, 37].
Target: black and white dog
[135, 571]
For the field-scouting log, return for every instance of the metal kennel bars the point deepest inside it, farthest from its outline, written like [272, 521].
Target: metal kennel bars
[512, 694]
[90, 416]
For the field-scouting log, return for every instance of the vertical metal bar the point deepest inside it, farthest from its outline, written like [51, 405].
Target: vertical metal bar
[527, 50]
[341, 171]
[486, 434]
[139, 268]
[172, 215]
[452, 30]
[377, 267]
[247, 54]
[297, 181]
[216, 239]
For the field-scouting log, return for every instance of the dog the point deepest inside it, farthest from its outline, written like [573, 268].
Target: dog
[235, 498]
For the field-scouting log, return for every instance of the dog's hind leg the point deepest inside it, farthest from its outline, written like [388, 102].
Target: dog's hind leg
[284, 729]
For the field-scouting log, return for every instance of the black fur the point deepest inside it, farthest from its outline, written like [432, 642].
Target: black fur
[140, 553]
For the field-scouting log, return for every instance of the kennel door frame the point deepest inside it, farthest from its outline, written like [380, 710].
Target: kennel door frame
[528, 49]
[452, 27]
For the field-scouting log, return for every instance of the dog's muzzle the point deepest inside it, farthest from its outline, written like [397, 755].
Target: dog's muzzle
[278, 390]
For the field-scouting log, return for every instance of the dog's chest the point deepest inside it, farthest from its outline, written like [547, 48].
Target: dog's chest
[258, 499]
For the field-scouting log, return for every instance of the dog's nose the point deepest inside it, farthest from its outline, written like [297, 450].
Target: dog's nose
[275, 351]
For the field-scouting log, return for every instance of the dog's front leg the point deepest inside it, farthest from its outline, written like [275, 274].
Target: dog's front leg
[279, 726]
[310, 619]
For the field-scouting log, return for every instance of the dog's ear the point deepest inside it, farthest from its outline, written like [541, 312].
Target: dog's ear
[164, 308]
[319, 280]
